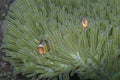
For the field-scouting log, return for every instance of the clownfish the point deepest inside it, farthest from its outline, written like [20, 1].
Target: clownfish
[43, 46]
[84, 23]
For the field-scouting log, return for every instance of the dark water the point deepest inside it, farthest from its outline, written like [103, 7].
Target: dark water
[5, 68]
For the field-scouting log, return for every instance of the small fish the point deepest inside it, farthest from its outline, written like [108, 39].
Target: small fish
[41, 49]
[43, 46]
[84, 23]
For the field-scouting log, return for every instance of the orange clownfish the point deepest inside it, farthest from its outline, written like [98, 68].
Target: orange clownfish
[84, 23]
[43, 46]
[41, 49]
